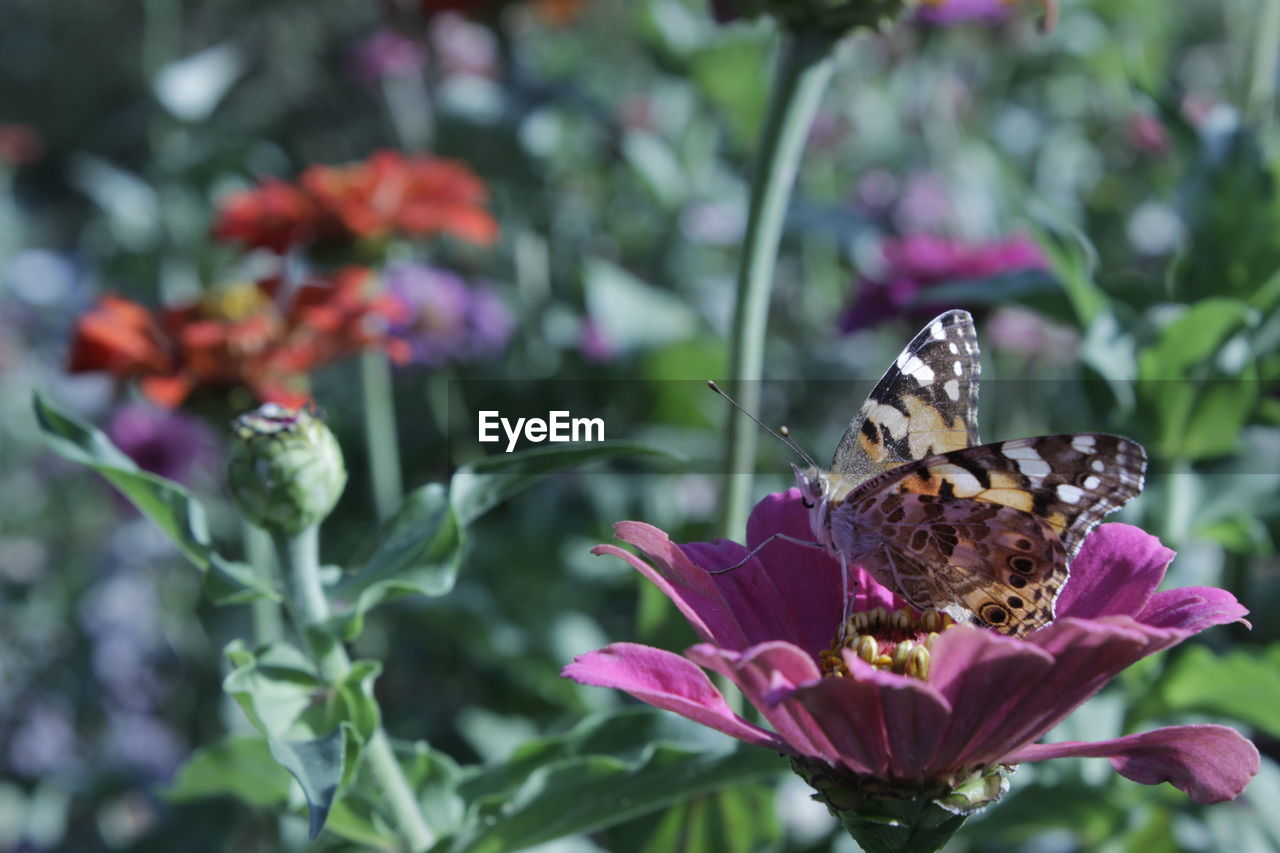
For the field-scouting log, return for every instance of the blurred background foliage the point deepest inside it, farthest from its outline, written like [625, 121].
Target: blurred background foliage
[1102, 197]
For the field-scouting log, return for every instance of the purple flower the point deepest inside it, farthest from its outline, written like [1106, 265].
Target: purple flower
[594, 345]
[386, 53]
[945, 13]
[918, 262]
[977, 699]
[443, 318]
[168, 443]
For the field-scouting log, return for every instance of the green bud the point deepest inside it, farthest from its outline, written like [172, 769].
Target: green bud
[285, 468]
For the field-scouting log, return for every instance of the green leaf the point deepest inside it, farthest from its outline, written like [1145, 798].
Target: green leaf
[736, 820]
[277, 688]
[419, 553]
[1193, 338]
[632, 314]
[319, 765]
[238, 766]
[1200, 404]
[563, 785]
[1241, 685]
[480, 486]
[169, 506]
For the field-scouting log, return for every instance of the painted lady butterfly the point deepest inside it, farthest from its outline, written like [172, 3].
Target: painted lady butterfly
[983, 532]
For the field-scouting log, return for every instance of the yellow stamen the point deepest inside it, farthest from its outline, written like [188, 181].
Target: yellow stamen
[901, 641]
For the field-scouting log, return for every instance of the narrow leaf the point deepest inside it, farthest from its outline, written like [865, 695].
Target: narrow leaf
[480, 486]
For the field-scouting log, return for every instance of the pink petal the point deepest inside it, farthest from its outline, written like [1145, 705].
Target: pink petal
[1115, 573]
[688, 586]
[766, 674]
[1210, 763]
[807, 579]
[1193, 609]
[670, 682]
[1087, 653]
[991, 683]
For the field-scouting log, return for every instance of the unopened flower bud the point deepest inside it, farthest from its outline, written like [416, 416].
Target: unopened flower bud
[285, 468]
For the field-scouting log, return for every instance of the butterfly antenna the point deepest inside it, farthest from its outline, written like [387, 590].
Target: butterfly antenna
[783, 435]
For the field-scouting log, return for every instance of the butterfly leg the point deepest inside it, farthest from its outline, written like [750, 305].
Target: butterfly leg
[756, 550]
[847, 610]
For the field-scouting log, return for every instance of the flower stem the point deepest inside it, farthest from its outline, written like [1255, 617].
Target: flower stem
[1266, 64]
[380, 433]
[299, 558]
[801, 77]
[266, 613]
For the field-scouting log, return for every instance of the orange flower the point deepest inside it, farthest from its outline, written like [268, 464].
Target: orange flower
[386, 195]
[260, 335]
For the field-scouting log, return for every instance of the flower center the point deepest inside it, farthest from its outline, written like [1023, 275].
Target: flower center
[899, 641]
[234, 302]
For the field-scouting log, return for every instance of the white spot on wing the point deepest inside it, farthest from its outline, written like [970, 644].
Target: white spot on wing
[955, 350]
[1098, 465]
[959, 368]
[1091, 482]
[918, 370]
[1069, 494]
[1029, 462]
[1084, 443]
[892, 419]
[952, 387]
[938, 331]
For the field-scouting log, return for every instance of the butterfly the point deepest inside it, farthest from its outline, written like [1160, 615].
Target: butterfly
[983, 532]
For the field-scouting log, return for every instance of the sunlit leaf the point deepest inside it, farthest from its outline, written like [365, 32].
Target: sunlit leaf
[168, 505]
[237, 766]
[480, 486]
[607, 770]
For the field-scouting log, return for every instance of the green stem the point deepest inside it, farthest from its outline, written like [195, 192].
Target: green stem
[380, 433]
[267, 626]
[1266, 64]
[801, 77]
[299, 558]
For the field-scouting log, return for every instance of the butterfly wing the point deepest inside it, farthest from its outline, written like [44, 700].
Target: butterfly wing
[990, 529]
[977, 561]
[926, 403]
[1069, 481]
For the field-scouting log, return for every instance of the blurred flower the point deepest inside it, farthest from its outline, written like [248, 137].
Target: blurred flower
[44, 742]
[259, 335]
[386, 53]
[916, 263]
[462, 47]
[20, 145]
[1146, 133]
[387, 195]
[144, 744]
[594, 344]
[905, 701]
[441, 318]
[171, 444]
[1023, 331]
[944, 13]
[285, 468]
[924, 203]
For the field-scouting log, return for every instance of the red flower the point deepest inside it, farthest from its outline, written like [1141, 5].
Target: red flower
[386, 195]
[262, 336]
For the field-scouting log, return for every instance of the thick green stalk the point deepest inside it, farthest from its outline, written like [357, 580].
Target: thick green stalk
[299, 558]
[266, 613]
[380, 438]
[1266, 64]
[801, 77]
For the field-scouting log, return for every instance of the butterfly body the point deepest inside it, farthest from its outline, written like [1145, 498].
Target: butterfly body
[984, 533]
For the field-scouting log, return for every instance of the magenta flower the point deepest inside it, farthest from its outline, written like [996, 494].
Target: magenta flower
[978, 700]
[945, 13]
[914, 264]
[171, 444]
[386, 53]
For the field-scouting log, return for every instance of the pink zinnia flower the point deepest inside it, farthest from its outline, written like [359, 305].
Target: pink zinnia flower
[916, 263]
[976, 700]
